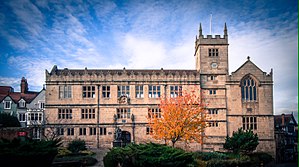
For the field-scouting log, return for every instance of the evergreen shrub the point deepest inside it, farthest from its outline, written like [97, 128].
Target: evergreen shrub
[148, 155]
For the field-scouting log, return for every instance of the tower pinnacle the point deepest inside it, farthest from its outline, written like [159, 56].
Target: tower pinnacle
[225, 30]
[200, 30]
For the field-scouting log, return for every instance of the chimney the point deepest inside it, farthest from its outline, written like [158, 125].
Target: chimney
[24, 85]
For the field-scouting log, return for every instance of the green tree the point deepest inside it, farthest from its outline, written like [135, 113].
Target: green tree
[7, 120]
[242, 141]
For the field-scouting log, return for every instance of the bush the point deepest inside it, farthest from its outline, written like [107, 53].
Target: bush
[259, 157]
[242, 141]
[205, 156]
[76, 146]
[7, 120]
[29, 152]
[147, 155]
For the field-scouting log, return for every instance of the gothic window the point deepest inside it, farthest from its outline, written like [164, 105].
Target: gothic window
[65, 91]
[106, 91]
[175, 91]
[248, 89]
[213, 52]
[88, 91]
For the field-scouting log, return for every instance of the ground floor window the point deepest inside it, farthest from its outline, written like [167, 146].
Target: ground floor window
[249, 123]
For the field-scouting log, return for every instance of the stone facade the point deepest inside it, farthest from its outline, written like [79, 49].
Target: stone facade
[92, 103]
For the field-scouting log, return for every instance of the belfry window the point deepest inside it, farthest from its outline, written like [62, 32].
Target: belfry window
[213, 52]
[248, 89]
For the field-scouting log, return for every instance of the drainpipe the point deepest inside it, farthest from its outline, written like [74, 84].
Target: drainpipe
[98, 118]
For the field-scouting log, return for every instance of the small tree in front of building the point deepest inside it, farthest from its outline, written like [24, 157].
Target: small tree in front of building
[242, 141]
[182, 118]
[7, 120]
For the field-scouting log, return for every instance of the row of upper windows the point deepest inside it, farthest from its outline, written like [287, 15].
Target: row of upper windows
[154, 91]
[7, 104]
[89, 113]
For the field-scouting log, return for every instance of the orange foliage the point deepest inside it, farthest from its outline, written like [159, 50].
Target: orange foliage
[182, 118]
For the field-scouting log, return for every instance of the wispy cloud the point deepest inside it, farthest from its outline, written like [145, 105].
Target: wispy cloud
[148, 34]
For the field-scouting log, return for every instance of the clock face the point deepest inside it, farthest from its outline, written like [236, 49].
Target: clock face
[214, 65]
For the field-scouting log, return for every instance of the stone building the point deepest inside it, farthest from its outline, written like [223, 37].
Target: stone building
[92, 104]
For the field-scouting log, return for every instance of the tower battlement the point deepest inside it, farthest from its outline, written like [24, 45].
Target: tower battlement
[210, 39]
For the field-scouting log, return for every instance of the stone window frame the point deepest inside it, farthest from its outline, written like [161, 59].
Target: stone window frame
[154, 91]
[212, 77]
[213, 111]
[123, 90]
[249, 89]
[65, 113]
[82, 132]
[60, 131]
[176, 90]
[92, 131]
[106, 91]
[88, 113]
[103, 131]
[139, 91]
[213, 52]
[148, 130]
[65, 91]
[123, 113]
[154, 112]
[88, 91]
[213, 124]
[249, 122]
[212, 91]
[70, 131]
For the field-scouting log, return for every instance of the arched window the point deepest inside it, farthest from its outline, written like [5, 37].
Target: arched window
[248, 89]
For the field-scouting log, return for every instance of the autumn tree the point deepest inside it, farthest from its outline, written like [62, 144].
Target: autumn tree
[180, 118]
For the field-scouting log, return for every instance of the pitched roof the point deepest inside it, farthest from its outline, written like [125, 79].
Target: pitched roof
[16, 96]
[284, 119]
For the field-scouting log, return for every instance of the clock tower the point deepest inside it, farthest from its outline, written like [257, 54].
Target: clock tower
[211, 54]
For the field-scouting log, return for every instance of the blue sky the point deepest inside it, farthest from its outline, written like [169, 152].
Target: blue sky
[37, 34]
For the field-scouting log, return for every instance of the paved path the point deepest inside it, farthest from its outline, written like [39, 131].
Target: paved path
[101, 152]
